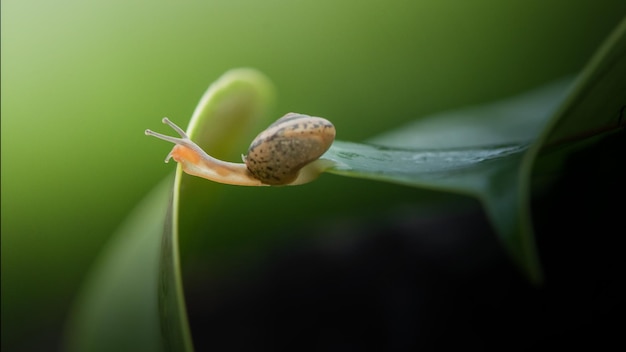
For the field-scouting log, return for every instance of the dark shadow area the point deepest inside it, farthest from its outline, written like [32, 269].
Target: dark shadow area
[435, 283]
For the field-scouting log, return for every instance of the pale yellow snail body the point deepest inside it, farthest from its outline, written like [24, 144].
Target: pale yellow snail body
[286, 153]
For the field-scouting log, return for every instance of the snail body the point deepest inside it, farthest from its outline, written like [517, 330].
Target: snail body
[283, 154]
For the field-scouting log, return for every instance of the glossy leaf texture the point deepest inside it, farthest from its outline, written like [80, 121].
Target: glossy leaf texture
[490, 151]
[476, 152]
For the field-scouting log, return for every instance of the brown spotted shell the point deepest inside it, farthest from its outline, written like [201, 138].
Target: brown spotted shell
[277, 154]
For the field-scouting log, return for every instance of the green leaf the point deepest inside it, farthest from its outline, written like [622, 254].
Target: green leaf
[232, 105]
[117, 309]
[489, 151]
[596, 104]
[475, 152]
[133, 300]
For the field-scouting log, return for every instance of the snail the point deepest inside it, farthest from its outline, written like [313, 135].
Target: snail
[286, 153]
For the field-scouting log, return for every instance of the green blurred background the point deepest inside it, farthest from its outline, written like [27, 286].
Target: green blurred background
[82, 80]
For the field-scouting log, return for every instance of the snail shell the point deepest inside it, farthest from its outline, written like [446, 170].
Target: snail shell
[277, 154]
